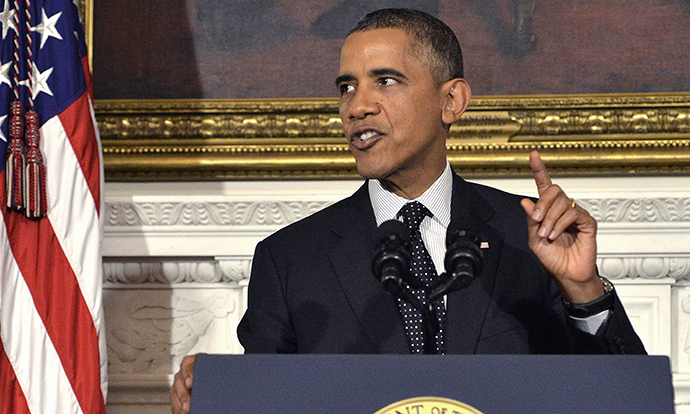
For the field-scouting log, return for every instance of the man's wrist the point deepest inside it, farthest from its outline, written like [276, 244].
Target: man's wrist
[584, 310]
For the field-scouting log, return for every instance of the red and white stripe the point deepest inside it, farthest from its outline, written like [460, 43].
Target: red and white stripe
[52, 353]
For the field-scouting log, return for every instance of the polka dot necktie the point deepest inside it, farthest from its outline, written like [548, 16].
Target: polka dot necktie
[423, 268]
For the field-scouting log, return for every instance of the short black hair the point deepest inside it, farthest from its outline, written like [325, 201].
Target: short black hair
[433, 38]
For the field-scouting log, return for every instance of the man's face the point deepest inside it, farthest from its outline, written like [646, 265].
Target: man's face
[391, 109]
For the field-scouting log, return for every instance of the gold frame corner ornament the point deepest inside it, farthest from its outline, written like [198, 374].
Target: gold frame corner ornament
[577, 135]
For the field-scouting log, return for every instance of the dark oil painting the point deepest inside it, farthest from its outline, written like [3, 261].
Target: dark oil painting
[145, 49]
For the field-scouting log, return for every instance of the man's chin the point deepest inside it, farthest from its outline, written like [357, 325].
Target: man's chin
[371, 173]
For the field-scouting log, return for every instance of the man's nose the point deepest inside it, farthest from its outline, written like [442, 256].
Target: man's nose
[364, 103]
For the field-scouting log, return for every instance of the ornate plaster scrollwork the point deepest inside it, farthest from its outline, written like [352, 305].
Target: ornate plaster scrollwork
[645, 267]
[235, 270]
[150, 331]
[126, 213]
[638, 210]
[146, 271]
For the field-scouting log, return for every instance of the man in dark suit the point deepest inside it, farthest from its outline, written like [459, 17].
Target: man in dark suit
[312, 288]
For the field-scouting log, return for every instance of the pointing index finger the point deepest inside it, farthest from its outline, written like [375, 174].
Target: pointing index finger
[541, 177]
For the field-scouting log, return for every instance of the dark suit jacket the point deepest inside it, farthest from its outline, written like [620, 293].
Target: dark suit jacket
[312, 289]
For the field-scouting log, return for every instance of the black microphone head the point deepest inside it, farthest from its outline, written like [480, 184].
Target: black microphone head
[463, 259]
[454, 235]
[392, 256]
[392, 227]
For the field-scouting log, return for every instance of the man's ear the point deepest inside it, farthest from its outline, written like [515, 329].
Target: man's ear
[457, 96]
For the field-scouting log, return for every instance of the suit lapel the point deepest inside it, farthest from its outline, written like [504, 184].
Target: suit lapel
[467, 308]
[350, 253]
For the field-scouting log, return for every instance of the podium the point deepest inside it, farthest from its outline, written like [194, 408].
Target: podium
[491, 384]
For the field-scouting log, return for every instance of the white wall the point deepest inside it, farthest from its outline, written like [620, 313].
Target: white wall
[177, 258]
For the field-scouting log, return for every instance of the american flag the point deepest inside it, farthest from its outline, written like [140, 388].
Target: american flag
[52, 348]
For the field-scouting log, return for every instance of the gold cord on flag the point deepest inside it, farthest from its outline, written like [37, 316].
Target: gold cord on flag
[25, 172]
[15, 161]
[35, 177]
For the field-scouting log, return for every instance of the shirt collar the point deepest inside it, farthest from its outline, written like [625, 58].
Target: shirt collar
[436, 198]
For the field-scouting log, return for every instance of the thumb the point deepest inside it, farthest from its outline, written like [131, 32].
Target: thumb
[528, 205]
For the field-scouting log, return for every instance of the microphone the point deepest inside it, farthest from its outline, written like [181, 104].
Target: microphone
[463, 263]
[391, 261]
[391, 267]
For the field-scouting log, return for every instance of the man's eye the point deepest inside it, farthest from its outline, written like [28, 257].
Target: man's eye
[345, 88]
[387, 81]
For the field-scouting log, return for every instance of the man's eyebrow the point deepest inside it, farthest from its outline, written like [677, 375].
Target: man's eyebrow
[343, 78]
[378, 72]
[387, 72]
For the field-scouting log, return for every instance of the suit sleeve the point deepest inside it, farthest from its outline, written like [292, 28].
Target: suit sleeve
[615, 336]
[266, 326]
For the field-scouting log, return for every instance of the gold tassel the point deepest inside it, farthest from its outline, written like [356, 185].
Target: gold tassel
[15, 161]
[35, 177]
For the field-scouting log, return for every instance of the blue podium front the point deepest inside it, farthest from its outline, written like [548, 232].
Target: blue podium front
[488, 384]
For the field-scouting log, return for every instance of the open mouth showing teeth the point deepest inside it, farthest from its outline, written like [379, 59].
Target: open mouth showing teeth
[365, 136]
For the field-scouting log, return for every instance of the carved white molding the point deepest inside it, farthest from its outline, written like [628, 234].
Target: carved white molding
[149, 331]
[652, 267]
[203, 213]
[236, 270]
[637, 210]
[176, 226]
[138, 270]
[126, 213]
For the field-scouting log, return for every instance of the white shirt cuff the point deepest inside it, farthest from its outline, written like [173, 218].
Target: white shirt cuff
[591, 324]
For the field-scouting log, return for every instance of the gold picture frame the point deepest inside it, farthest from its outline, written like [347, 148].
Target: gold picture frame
[583, 135]
[236, 139]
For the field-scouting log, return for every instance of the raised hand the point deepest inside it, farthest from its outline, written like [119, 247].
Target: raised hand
[563, 237]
